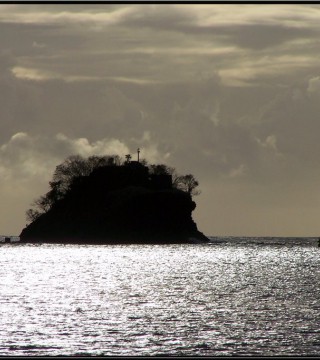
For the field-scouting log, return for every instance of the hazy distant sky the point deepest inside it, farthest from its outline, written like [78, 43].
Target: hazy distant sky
[229, 93]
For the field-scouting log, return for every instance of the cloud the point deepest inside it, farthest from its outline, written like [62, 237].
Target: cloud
[84, 148]
[287, 14]
[270, 143]
[27, 156]
[32, 74]
[38, 45]
[150, 148]
[227, 92]
[314, 85]
[6, 61]
[239, 171]
[249, 69]
[24, 157]
[159, 119]
[171, 43]
[24, 73]
[35, 15]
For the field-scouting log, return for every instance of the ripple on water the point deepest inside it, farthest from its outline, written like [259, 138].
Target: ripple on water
[228, 299]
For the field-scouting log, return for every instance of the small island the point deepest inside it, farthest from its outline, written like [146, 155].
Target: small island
[105, 200]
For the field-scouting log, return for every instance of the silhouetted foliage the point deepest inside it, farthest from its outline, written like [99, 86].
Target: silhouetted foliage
[161, 169]
[75, 168]
[187, 183]
[32, 214]
[103, 199]
[144, 162]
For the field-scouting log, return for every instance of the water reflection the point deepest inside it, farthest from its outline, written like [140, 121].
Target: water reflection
[227, 299]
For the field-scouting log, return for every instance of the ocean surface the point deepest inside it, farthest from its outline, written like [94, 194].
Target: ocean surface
[236, 296]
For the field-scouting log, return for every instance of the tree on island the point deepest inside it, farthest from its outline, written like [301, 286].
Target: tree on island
[76, 167]
[186, 183]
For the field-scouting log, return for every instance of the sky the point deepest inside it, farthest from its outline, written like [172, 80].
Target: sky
[227, 92]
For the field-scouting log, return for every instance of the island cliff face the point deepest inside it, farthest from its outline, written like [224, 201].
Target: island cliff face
[118, 204]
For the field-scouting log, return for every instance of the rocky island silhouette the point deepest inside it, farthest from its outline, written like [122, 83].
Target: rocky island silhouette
[105, 200]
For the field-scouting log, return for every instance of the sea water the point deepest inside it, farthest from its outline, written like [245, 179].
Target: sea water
[239, 296]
